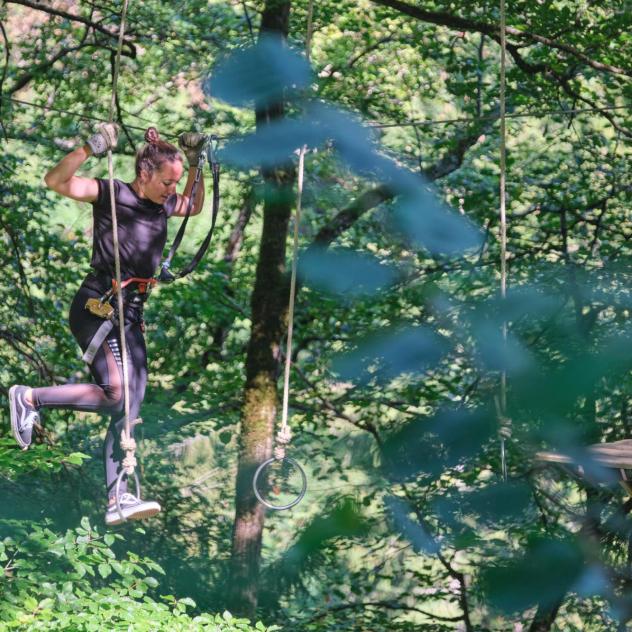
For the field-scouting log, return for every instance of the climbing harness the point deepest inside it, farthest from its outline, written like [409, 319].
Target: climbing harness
[135, 291]
[273, 475]
[209, 152]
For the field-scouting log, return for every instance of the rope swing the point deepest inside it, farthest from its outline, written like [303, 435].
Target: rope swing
[280, 467]
[127, 442]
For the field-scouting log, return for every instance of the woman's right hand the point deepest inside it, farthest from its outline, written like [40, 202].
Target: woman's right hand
[104, 139]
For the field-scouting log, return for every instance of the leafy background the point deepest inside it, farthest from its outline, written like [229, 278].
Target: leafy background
[398, 351]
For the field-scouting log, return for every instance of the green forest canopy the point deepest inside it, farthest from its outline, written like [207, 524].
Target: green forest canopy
[395, 389]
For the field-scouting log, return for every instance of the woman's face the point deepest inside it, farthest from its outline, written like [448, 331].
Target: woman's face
[158, 186]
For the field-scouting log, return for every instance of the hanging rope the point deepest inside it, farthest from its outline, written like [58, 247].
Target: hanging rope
[502, 404]
[128, 445]
[284, 435]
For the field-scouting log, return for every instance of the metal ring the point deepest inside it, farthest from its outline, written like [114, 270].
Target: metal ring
[288, 505]
[117, 491]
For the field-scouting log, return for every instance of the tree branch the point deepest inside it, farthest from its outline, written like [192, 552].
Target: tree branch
[388, 605]
[565, 85]
[27, 77]
[5, 69]
[18, 260]
[38, 6]
[492, 30]
[346, 218]
[34, 358]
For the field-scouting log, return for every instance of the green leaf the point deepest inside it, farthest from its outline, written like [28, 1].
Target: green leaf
[76, 458]
[187, 601]
[104, 570]
[108, 538]
[30, 603]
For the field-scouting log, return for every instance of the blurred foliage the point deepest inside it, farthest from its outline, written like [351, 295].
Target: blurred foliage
[398, 351]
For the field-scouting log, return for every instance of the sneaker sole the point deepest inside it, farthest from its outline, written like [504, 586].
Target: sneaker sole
[139, 515]
[14, 418]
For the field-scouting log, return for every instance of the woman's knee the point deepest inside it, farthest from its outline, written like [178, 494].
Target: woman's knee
[114, 402]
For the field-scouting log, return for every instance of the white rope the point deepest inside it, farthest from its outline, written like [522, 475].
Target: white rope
[284, 435]
[130, 461]
[503, 230]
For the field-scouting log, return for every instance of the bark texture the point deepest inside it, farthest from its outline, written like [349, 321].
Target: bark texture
[269, 316]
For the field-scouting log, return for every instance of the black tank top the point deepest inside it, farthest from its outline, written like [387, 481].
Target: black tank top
[142, 230]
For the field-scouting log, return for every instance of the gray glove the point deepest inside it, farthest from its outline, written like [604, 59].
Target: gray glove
[103, 139]
[192, 144]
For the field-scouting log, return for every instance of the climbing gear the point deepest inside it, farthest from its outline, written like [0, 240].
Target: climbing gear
[104, 139]
[135, 291]
[129, 507]
[208, 152]
[279, 483]
[192, 144]
[23, 416]
[280, 465]
[99, 308]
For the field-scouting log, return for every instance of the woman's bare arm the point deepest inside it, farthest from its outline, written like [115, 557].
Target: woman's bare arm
[183, 200]
[62, 179]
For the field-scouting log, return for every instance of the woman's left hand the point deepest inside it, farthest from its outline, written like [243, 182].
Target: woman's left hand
[192, 144]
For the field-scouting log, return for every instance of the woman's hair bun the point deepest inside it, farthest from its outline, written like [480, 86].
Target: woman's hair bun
[151, 135]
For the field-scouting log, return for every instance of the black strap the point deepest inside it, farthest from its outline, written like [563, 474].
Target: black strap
[165, 275]
[207, 240]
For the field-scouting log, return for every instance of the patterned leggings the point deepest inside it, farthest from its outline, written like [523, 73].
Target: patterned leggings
[105, 395]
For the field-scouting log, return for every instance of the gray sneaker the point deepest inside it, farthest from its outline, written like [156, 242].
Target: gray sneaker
[23, 416]
[132, 508]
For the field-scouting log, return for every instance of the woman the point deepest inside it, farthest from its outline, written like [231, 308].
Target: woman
[143, 207]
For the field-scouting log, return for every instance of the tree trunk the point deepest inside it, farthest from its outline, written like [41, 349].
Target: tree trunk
[269, 314]
[545, 617]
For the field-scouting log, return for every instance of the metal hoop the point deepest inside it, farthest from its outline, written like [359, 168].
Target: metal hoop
[117, 491]
[300, 495]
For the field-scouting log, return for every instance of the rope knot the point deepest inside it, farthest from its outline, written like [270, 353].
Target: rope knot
[284, 436]
[505, 428]
[129, 463]
[128, 444]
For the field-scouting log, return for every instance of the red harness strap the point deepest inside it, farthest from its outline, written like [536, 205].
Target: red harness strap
[144, 285]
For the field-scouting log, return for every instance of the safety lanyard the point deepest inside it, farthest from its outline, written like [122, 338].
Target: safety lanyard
[165, 275]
